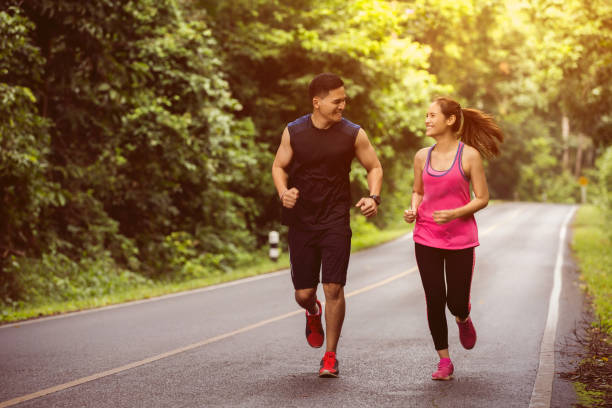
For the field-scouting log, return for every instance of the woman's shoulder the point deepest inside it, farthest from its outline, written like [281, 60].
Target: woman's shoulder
[420, 157]
[422, 153]
[470, 152]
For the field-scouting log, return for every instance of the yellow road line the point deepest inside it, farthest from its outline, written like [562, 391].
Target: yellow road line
[152, 359]
[502, 222]
[178, 294]
[381, 283]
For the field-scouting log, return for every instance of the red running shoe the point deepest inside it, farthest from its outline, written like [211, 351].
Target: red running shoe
[445, 370]
[314, 330]
[467, 334]
[329, 365]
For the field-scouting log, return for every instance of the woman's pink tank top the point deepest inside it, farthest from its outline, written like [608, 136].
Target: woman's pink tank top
[445, 190]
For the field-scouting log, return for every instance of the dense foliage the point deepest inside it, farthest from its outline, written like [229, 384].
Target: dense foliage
[136, 137]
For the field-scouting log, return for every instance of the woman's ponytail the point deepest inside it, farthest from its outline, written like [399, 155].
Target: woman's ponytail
[475, 128]
[480, 131]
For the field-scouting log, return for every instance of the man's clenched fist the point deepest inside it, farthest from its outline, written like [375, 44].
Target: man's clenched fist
[289, 197]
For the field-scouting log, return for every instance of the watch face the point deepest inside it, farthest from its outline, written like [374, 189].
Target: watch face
[376, 199]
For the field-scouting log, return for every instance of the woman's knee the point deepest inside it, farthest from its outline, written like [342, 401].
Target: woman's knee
[436, 301]
[460, 310]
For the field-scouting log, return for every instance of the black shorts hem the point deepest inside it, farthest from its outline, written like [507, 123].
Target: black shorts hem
[340, 283]
[302, 287]
[321, 255]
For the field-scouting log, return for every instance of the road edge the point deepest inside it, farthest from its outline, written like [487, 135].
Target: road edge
[541, 395]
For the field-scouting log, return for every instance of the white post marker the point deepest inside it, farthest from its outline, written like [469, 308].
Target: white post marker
[274, 250]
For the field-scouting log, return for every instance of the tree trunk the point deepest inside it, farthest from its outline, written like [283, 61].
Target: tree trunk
[565, 136]
[590, 157]
[581, 145]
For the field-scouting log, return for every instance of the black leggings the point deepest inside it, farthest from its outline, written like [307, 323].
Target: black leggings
[459, 269]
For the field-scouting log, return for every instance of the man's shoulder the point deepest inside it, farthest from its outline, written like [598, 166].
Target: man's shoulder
[299, 123]
[348, 127]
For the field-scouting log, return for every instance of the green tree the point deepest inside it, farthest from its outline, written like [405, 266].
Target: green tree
[120, 136]
[25, 192]
[272, 50]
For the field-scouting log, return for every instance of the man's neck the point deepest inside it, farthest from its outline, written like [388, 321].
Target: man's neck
[320, 122]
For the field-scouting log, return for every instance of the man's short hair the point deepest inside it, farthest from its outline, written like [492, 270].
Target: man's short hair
[323, 83]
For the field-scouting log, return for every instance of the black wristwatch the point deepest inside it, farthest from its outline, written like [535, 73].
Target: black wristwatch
[376, 198]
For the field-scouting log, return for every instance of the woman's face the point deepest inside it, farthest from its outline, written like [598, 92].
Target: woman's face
[435, 122]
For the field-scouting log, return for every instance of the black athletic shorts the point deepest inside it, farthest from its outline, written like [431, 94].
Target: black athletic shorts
[326, 251]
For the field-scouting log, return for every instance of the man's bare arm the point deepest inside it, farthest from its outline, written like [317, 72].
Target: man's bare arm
[367, 157]
[283, 157]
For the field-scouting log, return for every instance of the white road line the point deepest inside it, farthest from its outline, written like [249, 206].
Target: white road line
[188, 292]
[157, 298]
[542, 389]
[135, 364]
[253, 326]
[152, 299]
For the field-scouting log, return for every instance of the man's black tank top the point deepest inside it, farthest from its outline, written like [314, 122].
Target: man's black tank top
[320, 170]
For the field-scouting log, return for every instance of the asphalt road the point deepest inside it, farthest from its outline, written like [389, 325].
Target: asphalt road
[243, 344]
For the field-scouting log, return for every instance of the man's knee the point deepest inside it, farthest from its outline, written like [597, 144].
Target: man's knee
[333, 291]
[305, 296]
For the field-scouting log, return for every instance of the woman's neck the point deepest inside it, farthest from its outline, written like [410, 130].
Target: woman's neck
[446, 142]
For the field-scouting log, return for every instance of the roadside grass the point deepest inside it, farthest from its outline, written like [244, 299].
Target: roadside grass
[588, 398]
[146, 290]
[365, 235]
[592, 249]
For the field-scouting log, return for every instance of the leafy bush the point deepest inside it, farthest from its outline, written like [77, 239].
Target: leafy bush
[184, 257]
[55, 277]
[603, 186]
[562, 188]
[541, 178]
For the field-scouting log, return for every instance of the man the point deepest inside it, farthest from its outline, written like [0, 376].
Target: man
[311, 174]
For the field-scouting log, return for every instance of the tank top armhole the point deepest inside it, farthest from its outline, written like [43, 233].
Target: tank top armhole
[355, 134]
[460, 161]
[428, 159]
[289, 133]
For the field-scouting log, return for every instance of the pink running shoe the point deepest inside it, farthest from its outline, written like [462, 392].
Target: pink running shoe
[445, 370]
[314, 329]
[467, 334]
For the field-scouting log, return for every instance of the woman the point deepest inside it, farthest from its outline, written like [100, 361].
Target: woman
[445, 233]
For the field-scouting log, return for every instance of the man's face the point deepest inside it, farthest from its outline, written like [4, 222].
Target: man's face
[332, 106]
